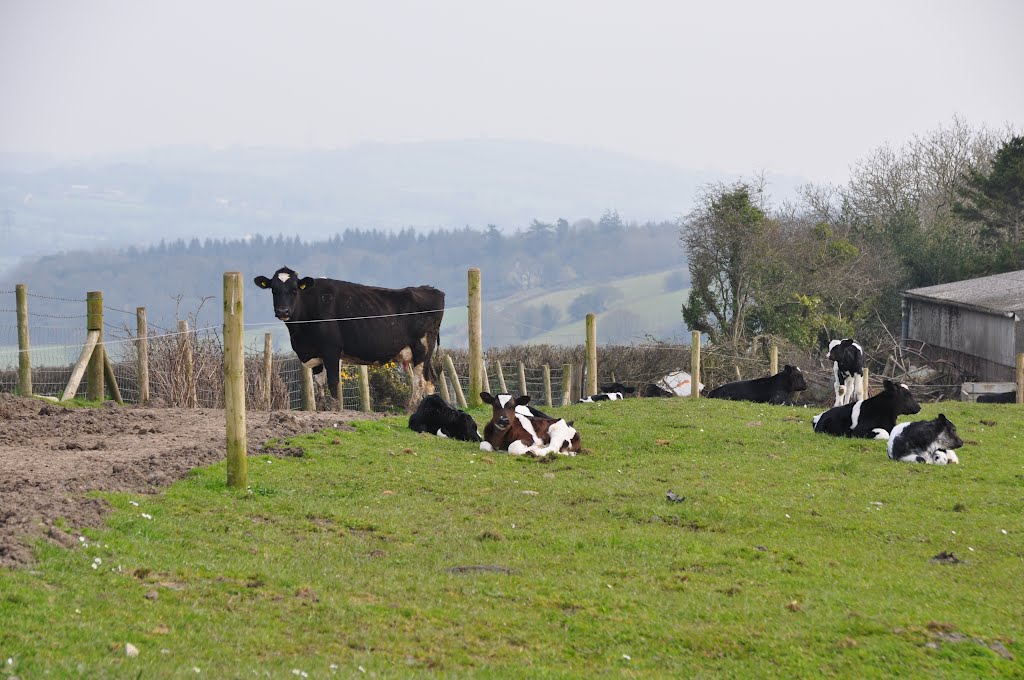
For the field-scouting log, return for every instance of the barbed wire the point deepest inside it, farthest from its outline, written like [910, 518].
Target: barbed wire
[115, 309]
[47, 316]
[42, 297]
[354, 318]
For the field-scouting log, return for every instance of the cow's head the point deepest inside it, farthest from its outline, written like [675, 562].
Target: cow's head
[844, 351]
[794, 378]
[503, 408]
[903, 401]
[285, 284]
[462, 426]
[947, 437]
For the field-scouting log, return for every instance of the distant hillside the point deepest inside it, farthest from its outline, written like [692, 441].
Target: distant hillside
[184, 193]
[646, 305]
[536, 283]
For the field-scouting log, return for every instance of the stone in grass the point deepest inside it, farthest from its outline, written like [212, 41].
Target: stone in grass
[673, 497]
[130, 650]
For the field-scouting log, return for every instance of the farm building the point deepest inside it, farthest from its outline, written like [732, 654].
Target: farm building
[975, 325]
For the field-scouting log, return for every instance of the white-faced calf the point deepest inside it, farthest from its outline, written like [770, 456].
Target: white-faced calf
[925, 441]
[512, 429]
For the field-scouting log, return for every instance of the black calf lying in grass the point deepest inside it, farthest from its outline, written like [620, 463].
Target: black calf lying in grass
[925, 441]
[437, 416]
[777, 389]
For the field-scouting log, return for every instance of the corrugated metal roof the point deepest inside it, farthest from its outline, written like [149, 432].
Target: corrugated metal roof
[999, 293]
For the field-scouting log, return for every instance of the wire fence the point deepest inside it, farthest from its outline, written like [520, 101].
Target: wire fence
[195, 377]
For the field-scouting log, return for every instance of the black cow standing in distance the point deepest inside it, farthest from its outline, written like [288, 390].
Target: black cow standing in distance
[777, 389]
[330, 320]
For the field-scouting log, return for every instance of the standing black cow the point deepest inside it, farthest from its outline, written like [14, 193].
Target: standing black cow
[847, 359]
[330, 320]
[777, 389]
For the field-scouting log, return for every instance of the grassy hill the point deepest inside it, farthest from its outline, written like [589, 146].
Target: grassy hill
[643, 308]
[391, 554]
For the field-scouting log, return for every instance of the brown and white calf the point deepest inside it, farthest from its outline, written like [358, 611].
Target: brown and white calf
[515, 428]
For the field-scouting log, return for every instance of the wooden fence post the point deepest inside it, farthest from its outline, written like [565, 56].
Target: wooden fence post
[442, 382]
[1020, 378]
[501, 378]
[486, 378]
[523, 387]
[24, 360]
[268, 367]
[695, 364]
[108, 371]
[456, 385]
[773, 360]
[591, 355]
[142, 353]
[308, 396]
[364, 389]
[234, 380]
[94, 322]
[83, 361]
[547, 385]
[190, 397]
[566, 384]
[867, 383]
[476, 356]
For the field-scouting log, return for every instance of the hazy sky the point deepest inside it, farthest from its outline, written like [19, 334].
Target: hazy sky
[796, 87]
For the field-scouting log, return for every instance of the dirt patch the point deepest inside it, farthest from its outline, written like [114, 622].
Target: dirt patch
[51, 456]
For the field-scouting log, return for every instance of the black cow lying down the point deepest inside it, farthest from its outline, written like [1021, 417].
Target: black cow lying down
[998, 398]
[872, 418]
[329, 320]
[437, 416]
[777, 389]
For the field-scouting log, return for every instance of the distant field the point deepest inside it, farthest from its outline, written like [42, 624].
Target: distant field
[384, 553]
[657, 313]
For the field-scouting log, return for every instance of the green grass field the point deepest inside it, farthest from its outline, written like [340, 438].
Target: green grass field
[391, 554]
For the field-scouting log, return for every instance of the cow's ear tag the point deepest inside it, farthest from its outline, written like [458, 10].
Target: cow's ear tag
[263, 284]
[302, 286]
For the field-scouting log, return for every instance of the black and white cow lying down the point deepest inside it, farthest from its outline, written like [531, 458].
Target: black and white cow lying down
[611, 392]
[873, 418]
[514, 428]
[847, 359]
[618, 387]
[776, 389]
[437, 416]
[601, 396]
[925, 441]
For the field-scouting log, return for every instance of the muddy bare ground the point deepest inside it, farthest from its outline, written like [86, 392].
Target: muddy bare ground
[51, 457]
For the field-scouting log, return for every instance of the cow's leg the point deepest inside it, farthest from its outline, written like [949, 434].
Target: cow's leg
[333, 369]
[855, 385]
